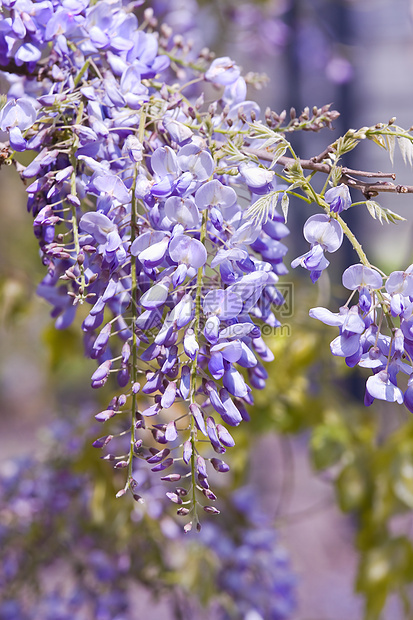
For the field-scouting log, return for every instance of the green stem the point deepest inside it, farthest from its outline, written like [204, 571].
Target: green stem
[73, 207]
[134, 288]
[363, 259]
[81, 73]
[182, 62]
[354, 242]
[134, 337]
[194, 372]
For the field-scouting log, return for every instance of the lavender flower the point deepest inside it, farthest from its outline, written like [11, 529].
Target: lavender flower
[17, 116]
[338, 198]
[324, 234]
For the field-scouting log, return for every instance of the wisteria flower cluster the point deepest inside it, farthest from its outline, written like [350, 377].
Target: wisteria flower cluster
[384, 302]
[157, 221]
[361, 340]
[138, 218]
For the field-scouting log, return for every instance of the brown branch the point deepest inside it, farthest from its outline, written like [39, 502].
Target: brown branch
[374, 189]
[368, 189]
[316, 165]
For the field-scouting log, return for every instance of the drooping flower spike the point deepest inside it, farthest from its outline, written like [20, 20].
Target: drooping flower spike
[136, 221]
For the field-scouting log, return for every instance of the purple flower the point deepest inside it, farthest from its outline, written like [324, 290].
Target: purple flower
[215, 194]
[324, 230]
[381, 387]
[257, 178]
[324, 234]
[223, 71]
[348, 319]
[360, 276]
[197, 161]
[338, 198]
[113, 187]
[17, 116]
[314, 261]
[182, 211]
[225, 304]
[400, 282]
[186, 250]
[156, 295]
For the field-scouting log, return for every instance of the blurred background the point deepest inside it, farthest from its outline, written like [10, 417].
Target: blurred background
[333, 477]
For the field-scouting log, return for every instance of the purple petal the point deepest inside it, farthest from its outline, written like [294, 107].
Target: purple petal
[215, 194]
[185, 383]
[232, 414]
[230, 351]
[182, 210]
[345, 346]
[153, 255]
[400, 282]
[187, 452]
[164, 465]
[379, 386]
[17, 142]
[223, 71]
[195, 160]
[151, 411]
[155, 296]
[198, 417]
[321, 229]
[164, 162]
[219, 465]
[171, 433]
[327, 317]
[359, 276]
[225, 437]
[184, 249]
[216, 365]
[234, 382]
[191, 345]
[338, 198]
[224, 303]
[211, 329]
[212, 433]
[168, 397]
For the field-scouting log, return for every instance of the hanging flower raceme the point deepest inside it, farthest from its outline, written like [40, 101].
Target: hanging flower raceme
[361, 342]
[137, 221]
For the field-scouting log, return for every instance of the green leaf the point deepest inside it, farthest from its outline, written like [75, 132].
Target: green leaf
[406, 148]
[231, 151]
[336, 175]
[295, 173]
[279, 152]
[260, 210]
[391, 143]
[382, 214]
[346, 143]
[262, 132]
[285, 202]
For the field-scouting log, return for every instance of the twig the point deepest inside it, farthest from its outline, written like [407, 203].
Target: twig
[315, 164]
[374, 189]
[368, 189]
